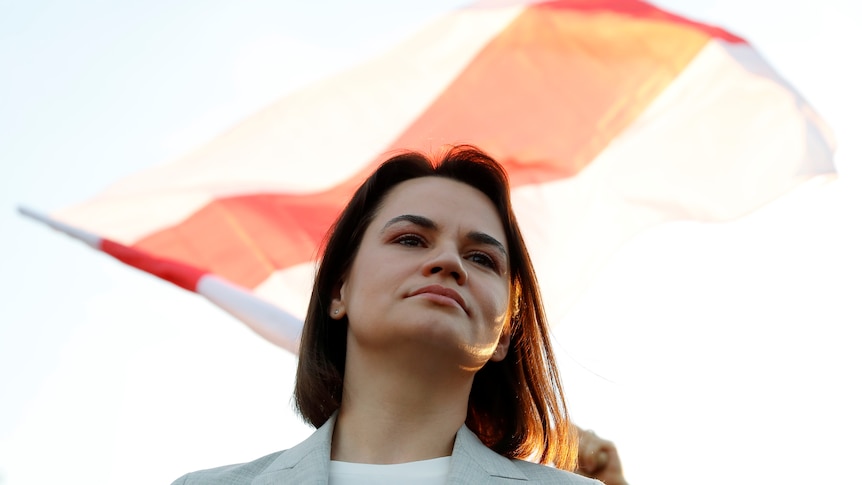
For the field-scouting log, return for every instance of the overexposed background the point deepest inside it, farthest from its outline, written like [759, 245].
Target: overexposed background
[701, 348]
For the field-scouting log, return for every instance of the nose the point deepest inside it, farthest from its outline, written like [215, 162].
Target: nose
[447, 262]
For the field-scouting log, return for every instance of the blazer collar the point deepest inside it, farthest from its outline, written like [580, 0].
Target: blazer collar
[308, 462]
[470, 455]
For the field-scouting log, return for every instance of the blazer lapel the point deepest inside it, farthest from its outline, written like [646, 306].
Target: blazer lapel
[307, 462]
[474, 463]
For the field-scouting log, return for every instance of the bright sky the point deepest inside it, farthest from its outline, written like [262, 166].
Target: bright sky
[700, 347]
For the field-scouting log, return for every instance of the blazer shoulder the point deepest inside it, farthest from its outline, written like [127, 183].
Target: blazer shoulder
[546, 474]
[473, 462]
[241, 473]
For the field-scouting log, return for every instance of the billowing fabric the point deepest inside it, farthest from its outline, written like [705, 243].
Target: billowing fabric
[610, 116]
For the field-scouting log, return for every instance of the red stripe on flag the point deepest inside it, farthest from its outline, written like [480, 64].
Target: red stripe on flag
[552, 89]
[244, 239]
[642, 10]
[181, 274]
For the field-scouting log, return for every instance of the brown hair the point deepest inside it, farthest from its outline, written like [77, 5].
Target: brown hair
[516, 406]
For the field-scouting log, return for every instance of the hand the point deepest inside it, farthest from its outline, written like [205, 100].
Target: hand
[598, 458]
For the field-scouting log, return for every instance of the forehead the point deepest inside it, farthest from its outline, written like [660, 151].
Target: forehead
[445, 201]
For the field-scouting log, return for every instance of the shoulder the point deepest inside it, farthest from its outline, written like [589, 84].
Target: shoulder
[546, 474]
[473, 462]
[241, 473]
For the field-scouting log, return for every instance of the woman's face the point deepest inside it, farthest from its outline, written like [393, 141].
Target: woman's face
[431, 273]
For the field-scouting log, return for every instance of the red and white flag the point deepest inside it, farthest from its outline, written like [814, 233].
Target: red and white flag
[609, 116]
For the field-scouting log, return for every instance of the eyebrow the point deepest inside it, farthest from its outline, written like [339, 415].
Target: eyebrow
[482, 238]
[424, 222]
[418, 220]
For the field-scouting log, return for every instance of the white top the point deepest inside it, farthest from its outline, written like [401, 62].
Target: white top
[423, 472]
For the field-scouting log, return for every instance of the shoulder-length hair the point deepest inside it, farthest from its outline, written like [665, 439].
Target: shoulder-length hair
[516, 406]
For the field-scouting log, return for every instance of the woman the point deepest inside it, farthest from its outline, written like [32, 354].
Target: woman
[425, 356]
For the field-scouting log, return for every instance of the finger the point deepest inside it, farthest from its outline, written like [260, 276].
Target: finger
[593, 461]
[600, 459]
[586, 450]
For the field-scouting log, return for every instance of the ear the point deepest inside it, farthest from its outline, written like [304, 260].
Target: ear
[337, 309]
[502, 346]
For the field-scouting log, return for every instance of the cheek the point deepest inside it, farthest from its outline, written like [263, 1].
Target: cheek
[367, 289]
[498, 306]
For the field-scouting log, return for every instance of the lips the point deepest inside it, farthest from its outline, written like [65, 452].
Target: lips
[441, 294]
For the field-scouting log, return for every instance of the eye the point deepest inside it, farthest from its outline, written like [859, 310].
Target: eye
[482, 259]
[410, 240]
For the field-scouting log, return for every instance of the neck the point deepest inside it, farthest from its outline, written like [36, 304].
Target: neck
[393, 413]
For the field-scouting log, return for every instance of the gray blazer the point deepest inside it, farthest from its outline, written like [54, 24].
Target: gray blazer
[308, 462]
